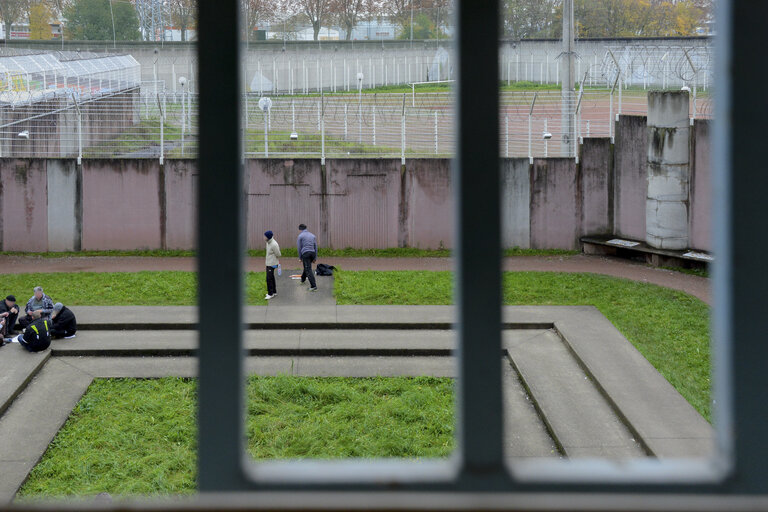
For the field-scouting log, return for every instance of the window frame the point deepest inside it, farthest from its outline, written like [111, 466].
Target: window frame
[478, 465]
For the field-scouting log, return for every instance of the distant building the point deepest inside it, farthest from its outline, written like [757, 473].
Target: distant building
[174, 34]
[373, 30]
[21, 30]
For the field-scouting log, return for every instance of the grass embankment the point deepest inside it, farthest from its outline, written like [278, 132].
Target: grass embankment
[670, 328]
[138, 437]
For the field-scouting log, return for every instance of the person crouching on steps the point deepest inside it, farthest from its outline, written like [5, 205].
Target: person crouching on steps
[64, 323]
[37, 335]
[273, 253]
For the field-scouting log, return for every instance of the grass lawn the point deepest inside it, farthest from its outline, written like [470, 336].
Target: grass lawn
[138, 436]
[670, 328]
[168, 288]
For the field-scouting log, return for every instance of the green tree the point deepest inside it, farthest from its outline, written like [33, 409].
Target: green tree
[90, 20]
[527, 18]
[40, 16]
[423, 28]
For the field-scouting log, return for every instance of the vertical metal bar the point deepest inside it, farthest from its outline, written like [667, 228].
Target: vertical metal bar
[220, 250]
[740, 284]
[478, 256]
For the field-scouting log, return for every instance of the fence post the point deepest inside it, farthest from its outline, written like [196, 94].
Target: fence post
[79, 131]
[374, 124]
[266, 134]
[402, 134]
[322, 128]
[345, 121]
[530, 121]
[546, 141]
[162, 130]
[506, 137]
[435, 132]
[183, 118]
[620, 88]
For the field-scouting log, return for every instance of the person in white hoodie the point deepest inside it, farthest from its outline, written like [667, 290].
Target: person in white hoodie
[273, 253]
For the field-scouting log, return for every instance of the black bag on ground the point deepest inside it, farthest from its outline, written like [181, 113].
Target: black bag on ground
[324, 270]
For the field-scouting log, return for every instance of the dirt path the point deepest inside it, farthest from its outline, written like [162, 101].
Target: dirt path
[693, 285]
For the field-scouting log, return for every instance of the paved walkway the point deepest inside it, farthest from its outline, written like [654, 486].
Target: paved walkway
[573, 385]
[617, 267]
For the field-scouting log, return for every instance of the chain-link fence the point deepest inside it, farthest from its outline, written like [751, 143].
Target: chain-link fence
[141, 123]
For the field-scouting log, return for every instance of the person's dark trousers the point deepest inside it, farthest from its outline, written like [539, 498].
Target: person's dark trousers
[271, 286]
[307, 258]
[61, 333]
[10, 323]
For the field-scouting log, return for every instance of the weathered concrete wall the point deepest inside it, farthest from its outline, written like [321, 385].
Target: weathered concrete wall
[24, 205]
[430, 204]
[516, 203]
[630, 177]
[554, 192]
[131, 204]
[180, 205]
[666, 211]
[363, 201]
[596, 187]
[63, 215]
[121, 204]
[282, 194]
[701, 187]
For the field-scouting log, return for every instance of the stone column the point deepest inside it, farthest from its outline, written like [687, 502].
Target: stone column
[666, 207]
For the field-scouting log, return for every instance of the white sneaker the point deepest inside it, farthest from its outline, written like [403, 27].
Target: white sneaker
[268, 296]
[70, 337]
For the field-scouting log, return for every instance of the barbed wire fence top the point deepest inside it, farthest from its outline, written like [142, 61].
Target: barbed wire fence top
[63, 105]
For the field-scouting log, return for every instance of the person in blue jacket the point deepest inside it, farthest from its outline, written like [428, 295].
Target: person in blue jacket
[307, 245]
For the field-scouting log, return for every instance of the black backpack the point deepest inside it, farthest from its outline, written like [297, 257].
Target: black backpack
[324, 270]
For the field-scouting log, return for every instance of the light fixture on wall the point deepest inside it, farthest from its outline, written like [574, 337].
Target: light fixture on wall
[24, 134]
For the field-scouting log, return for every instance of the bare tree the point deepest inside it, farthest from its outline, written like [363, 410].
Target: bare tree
[183, 15]
[316, 11]
[348, 12]
[11, 11]
[398, 10]
[255, 12]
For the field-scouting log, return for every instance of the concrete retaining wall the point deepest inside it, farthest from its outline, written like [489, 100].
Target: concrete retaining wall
[54, 205]
[630, 180]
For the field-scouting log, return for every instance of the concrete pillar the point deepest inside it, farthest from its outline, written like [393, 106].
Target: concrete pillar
[666, 207]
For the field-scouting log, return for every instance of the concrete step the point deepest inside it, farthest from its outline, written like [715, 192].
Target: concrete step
[581, 421]
[306, 342]
[17, 368]
[33, 420]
